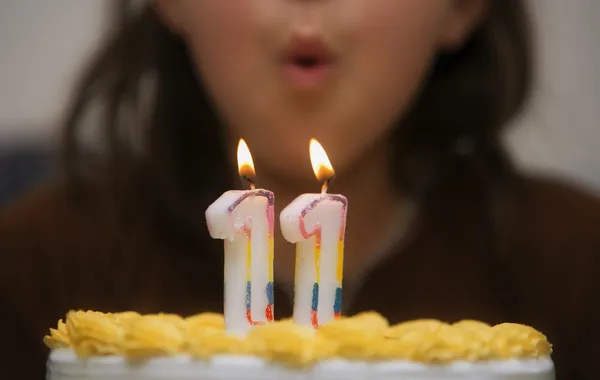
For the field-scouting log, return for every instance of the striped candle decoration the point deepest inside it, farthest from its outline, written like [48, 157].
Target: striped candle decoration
[244, 219]
[316, 223]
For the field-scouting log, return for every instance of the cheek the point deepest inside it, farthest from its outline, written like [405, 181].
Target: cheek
[394, 50]
[393, 43]
[223, 40]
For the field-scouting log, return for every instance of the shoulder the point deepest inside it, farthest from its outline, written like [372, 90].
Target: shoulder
[46, 214]
[43, 239]
[559, 244]
[565, 197]
[26, 220]
[558, 263]
[554, 215]
[45, 234]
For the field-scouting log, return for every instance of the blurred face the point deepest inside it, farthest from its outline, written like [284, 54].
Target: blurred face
[342, 71]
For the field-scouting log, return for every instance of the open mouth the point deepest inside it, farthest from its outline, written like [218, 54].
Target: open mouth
[308, 53]
[307, 62]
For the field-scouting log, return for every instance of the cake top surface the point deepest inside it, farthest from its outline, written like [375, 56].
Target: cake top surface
[367, 336]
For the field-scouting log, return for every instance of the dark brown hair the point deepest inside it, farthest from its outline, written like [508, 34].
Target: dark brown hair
[162, 135]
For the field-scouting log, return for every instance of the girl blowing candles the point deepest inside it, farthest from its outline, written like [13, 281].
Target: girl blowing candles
[408, 97]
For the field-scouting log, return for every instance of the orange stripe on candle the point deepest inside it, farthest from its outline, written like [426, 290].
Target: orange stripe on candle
[318, 257]
[271, 258]
[340, 262]
[248, 258]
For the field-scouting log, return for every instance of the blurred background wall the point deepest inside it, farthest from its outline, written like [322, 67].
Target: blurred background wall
[42, 47]
[44, 43]
[560, 131]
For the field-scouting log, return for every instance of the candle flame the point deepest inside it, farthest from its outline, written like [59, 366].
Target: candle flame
[320, 162]
[245, 162]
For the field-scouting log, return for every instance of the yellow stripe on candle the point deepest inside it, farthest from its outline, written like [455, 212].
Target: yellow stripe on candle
[271, 257]
[317, 260]
[248, 259]
[297, 269]
[340, 262]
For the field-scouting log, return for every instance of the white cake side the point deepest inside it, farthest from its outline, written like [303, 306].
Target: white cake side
[63, 364]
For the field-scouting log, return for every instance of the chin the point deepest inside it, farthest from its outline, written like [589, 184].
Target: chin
[285, 156]
[285, 164]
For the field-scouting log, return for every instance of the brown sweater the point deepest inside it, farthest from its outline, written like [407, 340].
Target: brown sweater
[542, 268]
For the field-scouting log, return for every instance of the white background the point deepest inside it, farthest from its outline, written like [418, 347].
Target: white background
[43, 44]
[561, 129]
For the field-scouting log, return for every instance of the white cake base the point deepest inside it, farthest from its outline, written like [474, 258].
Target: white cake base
[63, 364]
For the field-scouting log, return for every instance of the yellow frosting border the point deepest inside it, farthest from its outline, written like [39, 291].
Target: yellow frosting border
[366, 337]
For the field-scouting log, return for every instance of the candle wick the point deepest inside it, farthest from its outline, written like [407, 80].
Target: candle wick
[325, 186]
[250, 182]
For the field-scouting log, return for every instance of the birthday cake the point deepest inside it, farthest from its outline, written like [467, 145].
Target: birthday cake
[247, 343]
[92, 345]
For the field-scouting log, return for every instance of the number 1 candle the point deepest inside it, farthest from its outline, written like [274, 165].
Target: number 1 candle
[244, 219]
[316, 223]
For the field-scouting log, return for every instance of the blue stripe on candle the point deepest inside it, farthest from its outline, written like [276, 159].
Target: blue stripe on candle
[337, 304]
[270, 296]
[315, 297]
[248, 294]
